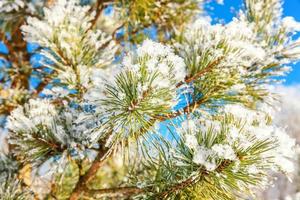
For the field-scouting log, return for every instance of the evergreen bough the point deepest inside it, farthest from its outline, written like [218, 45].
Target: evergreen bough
[108, 113]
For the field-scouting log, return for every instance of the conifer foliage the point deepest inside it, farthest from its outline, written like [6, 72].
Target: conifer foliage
[95, 107]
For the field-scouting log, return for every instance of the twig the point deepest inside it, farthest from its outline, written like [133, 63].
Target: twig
[192, 180]
[99, 9]
[116, 192]
[200, 73]
[81, 186]
[130, 191]
[191, 107]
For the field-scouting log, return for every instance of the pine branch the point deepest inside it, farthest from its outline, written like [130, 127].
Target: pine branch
[207, 69]
[81, 186]
[116, 192]
[176, 187]
[100, 6]
[54, 147]
[3, 56]
[186, 110]
[41, 86]
[191, 107]
[99, 9]
[191, 181]
[130, 191]
[115, 31]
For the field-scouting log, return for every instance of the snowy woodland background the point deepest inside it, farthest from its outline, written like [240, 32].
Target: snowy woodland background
[138, 48]
[289, 116]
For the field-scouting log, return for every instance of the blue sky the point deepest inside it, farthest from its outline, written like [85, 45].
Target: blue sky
[229, 9]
